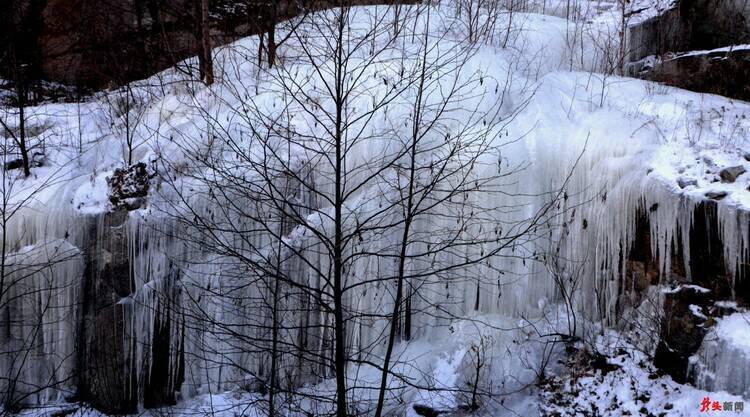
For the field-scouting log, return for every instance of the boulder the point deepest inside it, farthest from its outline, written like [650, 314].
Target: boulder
[723, 71]
[687, 182]
[730, 174]
[128, 187]
[682, 330]
[716, 195]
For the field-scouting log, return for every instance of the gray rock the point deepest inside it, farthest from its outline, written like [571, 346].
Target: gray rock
[716, 195]
[681, 331]
[686, 182]
[730, 174]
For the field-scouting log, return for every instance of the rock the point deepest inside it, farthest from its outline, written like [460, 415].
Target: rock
[718, 72]
[601, 362]
[13, 164]
[640, 276]
[426, 411]
[724, 307]
[689, 310]
[38, 159]
[128, 188]
[104, 383]
[682, 332]
[730, 174]
[716, 195]
[687, 182]
[746, 156]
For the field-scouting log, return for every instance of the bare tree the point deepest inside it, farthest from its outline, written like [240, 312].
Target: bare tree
[38, 280]
[121, 113]
[206, 63]
[325, 217]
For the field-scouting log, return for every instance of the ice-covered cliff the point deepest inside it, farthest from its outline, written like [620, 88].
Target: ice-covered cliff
[551, 197]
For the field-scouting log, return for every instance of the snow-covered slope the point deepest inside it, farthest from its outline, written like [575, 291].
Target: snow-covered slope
[602, 147]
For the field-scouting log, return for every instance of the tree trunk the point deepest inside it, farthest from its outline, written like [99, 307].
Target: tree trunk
[21, 92]
[272, 37]
[206, 61]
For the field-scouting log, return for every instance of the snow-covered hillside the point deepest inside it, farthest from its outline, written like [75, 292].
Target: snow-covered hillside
[533, 165]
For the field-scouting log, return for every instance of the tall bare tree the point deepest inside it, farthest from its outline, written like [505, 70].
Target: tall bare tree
[206, 63]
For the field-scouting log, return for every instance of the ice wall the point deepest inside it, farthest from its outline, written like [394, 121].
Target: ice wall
[40, 313]
[179, 297]
[723, 361]
[216, 309]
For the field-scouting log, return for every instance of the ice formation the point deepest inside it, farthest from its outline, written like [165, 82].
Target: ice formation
[723, 361]
[42, 285]
[565, 176]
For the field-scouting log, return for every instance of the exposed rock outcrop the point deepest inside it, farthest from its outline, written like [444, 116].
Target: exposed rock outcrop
[689, 306]
[724, 72]
[129, 187]
[695, 25]
[105, 379]
[683, 329]
[691, 25]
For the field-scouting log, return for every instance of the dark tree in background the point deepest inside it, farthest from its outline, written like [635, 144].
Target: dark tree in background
[20, 65]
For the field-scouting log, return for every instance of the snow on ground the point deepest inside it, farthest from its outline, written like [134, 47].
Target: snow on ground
[624, 383]
[727, 49]
[606, 376]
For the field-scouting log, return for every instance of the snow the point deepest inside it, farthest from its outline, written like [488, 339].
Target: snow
[735, 330]
[723, 360]
[692, 287]
[641, 10]
[728, 49]
[633, 388]
[697, 311]
[726, 304]
[615, 144]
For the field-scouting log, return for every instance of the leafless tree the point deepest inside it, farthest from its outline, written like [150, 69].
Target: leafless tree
[37, 279]
[301, 205]
[205, 58]
[121, 112]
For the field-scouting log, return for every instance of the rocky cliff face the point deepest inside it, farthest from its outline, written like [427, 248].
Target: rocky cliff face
[710, 27]
[691, 25]
[723, 71]
[696, 282]
[117, 376]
